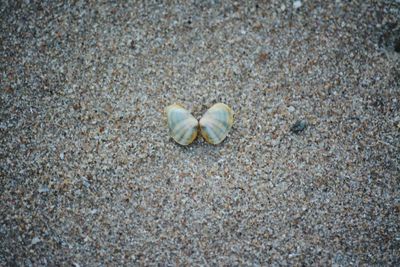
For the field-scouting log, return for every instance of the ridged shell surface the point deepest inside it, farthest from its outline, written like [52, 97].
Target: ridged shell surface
[216, 123]
[182, 125]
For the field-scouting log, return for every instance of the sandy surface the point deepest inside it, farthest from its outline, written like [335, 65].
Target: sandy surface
[89, 175]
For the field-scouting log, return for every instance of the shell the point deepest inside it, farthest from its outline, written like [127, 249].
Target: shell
[183, 127]
[216, 123]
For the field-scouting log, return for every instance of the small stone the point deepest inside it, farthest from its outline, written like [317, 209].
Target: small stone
[86, 183]
[262, 57]
[35, 240]
[43, 189]
[9, 90]
[397, 46]
[296, 4]
[132, 44]
[291, 109]
[299, 126]
[93, 211]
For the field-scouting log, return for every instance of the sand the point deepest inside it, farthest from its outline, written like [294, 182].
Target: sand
[309, 174]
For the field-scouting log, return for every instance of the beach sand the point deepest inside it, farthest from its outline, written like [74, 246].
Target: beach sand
[309, 174]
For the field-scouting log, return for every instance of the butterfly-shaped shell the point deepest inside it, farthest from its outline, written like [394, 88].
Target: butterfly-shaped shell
[216, 123]
[182, 125]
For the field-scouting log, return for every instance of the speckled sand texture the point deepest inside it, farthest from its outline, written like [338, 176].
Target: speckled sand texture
[309, 174]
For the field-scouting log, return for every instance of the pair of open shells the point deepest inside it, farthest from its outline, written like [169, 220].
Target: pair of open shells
[214, 125]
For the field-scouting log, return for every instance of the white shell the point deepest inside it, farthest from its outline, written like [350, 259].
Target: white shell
[216, 123]
[182, 125]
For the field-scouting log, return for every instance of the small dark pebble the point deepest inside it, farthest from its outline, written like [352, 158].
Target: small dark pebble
[299, 126]
[397, 46]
